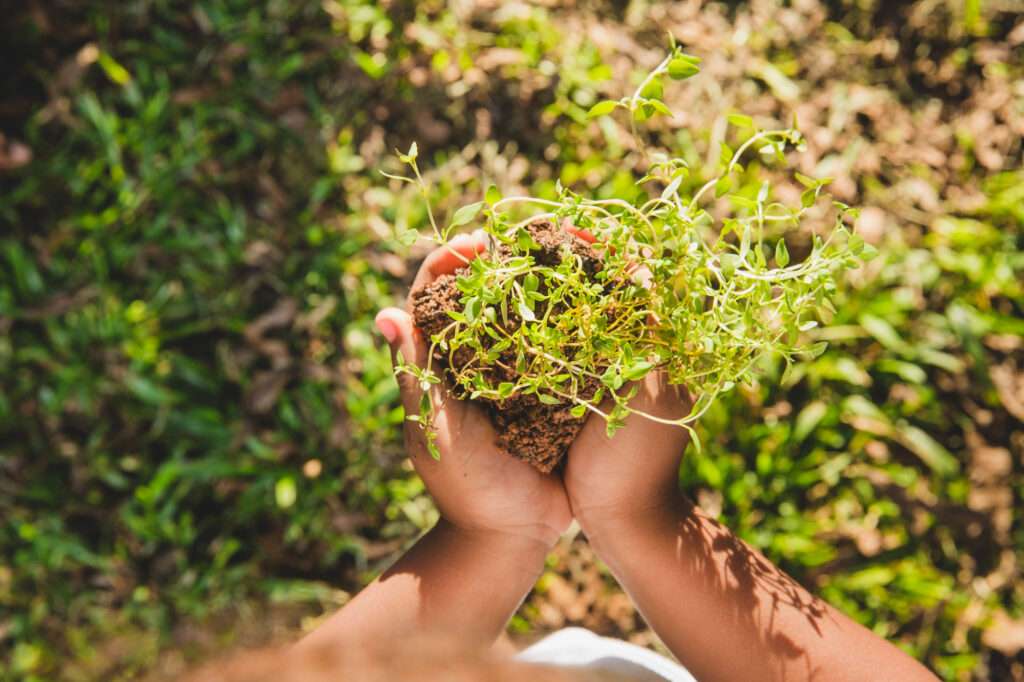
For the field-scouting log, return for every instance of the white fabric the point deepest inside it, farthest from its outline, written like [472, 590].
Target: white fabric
[581, 648]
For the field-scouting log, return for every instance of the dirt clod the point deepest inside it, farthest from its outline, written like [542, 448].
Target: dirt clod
[526, 428]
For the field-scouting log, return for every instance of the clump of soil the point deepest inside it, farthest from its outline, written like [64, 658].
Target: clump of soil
[526, 428]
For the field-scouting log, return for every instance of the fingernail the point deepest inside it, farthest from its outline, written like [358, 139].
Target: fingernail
[387, 328]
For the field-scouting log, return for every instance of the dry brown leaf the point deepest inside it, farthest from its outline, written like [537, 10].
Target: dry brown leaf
[990, 484]
[280, 315]
[13, 154]
[1004, 634]
[265, 390]
[1009, 383]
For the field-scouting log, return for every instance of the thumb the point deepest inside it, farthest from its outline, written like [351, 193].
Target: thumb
[405, 340]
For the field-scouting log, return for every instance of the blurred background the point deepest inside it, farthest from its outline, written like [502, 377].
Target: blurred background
[199, 442]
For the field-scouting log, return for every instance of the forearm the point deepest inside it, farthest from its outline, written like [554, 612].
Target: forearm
[455, 583]
[728, 613]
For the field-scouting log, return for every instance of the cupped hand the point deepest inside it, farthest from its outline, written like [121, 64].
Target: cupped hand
[476, 485]
[617, 481]
[637, 470]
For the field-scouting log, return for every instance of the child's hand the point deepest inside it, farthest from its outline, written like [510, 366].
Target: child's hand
[622, 480]
[477, 486]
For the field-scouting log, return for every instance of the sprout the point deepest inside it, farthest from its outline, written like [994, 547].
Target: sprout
[700, 297]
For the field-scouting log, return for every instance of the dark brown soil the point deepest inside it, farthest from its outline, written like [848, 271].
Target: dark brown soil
[528, 429]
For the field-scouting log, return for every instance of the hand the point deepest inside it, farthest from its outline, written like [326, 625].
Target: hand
[615, 479]
[619, 480]
[476, 485]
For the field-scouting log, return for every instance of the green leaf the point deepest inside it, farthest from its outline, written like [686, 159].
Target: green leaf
[374, 66]
[683, 67]
[548, 399]
[882, 331]
[808, 419]
[285, 492]
[526, 241]
[531, 283]
[644, 112]
[659, 106]
[781, 254]
[722, 186]
[816, 349]
[725, 154]
[612, 379]
[905, 370]
[578, 410]
[809, 183]
[637, 370]
[741, 120]
[695, 439]
[458, 317]
[602, 108]
[466, 214]
[114, 70]
[408, 157]
[653, 89]
[408, 237]
[743, 202]
[729, 262]
[526, 313]
[673, 187]
[148, 391]
[808, 197]
[492, 195]
[938, 458]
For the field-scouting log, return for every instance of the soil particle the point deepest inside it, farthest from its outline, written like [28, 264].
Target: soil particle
[526, 428]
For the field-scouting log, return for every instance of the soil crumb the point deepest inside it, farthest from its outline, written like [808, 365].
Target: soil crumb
[526, 428]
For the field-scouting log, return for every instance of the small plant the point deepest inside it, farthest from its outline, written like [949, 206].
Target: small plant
[675, 288]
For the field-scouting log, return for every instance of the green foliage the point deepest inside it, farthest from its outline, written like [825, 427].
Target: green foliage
[177, 303]
[706, 306]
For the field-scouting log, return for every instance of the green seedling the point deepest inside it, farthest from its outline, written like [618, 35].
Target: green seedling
[686, 287]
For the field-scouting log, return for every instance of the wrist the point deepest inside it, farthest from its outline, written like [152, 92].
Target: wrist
[610, 526]
[514, 529]
[529, 544]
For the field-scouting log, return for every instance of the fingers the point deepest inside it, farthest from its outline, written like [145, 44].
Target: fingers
[662, 399]
[641, 273]
[582, 234]
[655, 396]
[396, 326]
[448, 258]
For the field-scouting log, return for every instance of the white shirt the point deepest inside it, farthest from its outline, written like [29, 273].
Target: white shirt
[577, 647]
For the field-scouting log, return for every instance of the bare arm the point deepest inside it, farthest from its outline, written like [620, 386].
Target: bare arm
[723, 609]
[728, 613]
[463, 584]
[499, 516]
